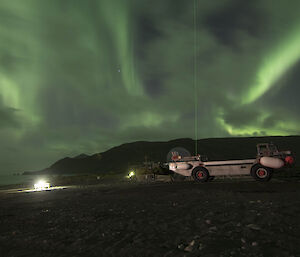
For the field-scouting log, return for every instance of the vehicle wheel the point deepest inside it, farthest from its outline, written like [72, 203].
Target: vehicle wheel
[261, 173]
[200, 174]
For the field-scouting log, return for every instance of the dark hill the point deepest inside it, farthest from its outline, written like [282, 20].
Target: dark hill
[81, 156]
[118, 159]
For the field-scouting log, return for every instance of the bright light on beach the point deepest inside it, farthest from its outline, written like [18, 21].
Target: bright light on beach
[41, 185]
[130, 174]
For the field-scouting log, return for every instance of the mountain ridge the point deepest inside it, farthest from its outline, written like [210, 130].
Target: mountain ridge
[119, 158]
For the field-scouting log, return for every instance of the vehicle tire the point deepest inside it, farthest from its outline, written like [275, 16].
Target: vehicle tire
[200, 174]
[261, 173]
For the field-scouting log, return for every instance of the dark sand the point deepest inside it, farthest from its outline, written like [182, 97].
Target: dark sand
[159, 219]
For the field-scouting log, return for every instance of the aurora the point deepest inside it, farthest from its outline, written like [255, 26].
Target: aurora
[275, 65]
[84, 76]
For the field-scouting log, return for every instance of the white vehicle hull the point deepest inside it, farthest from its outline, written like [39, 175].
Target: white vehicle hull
[261, 168]
[215, 168]
[233, 167]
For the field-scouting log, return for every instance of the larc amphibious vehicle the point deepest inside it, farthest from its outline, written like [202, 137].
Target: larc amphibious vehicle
[261, 168]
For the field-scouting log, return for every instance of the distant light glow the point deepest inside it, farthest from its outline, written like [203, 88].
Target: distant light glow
[131, 174]
[41, 185]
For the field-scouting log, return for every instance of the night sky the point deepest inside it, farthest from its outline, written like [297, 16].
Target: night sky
[83, 76]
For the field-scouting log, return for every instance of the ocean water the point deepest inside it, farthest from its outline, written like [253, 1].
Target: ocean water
[17, 180]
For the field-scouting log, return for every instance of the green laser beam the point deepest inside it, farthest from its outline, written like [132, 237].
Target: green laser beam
[195, 77]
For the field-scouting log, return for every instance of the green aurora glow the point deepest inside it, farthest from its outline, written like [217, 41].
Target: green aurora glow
[83, 76]
[276, 64]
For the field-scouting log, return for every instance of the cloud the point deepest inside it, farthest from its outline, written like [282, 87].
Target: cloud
[226, 23]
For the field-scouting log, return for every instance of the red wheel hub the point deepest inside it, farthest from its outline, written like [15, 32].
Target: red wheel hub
[261, 173]
[200, 174]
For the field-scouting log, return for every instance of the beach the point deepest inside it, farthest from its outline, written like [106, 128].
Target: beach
[227, 218]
